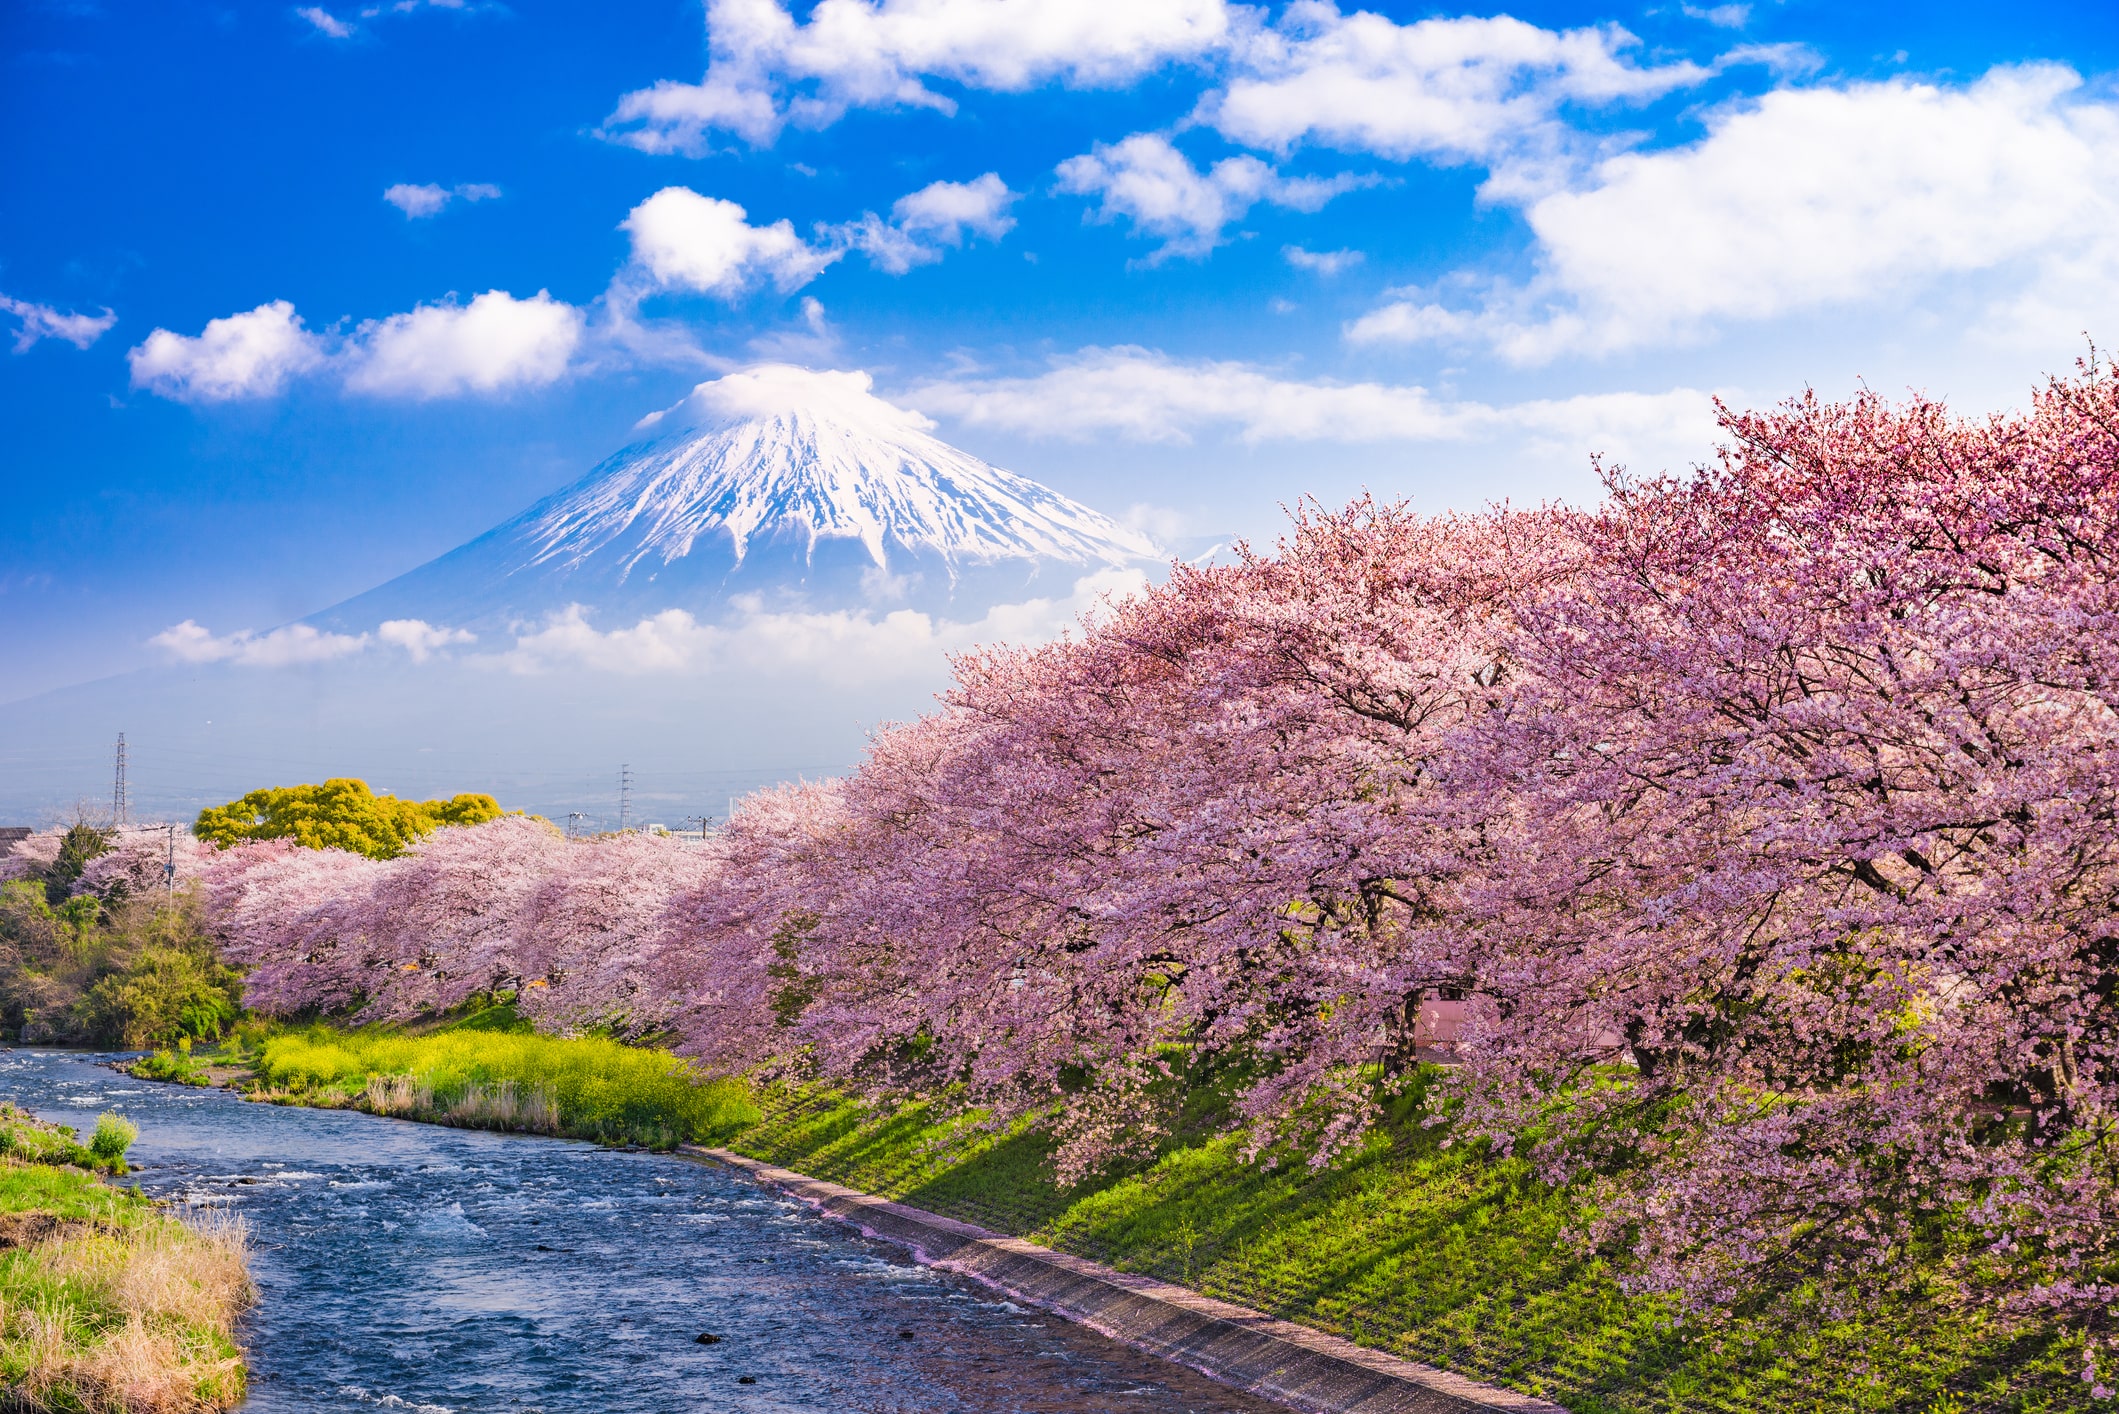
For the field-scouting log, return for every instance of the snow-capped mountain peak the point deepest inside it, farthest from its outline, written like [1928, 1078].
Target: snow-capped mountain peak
[775, 479]
[775, 447]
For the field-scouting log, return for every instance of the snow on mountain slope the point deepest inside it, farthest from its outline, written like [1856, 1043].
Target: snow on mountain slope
[799, 487]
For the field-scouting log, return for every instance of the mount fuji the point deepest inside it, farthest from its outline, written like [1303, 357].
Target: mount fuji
[786, 562]
[777, 488]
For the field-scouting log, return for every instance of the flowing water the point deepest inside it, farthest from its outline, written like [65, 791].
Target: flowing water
[409, 1266]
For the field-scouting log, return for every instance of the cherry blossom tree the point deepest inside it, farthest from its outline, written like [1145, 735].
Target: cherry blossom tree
[587, 931]
[31, 857]
[1761, 821]
[293, 917]
[144, 861]
[1810, 773]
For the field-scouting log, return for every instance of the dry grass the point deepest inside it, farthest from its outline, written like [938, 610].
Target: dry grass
[134, 1315]
[499, 1104]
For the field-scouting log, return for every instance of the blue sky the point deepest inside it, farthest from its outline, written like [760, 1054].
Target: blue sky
[301, 296]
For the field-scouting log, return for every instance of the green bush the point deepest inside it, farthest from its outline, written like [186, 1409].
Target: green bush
[173, 1066]
[25, 1139]
[130, 972]
[166, 994]
[81, 843]
[114, 1135]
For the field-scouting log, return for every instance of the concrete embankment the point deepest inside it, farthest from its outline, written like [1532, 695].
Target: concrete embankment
[1274, 1359]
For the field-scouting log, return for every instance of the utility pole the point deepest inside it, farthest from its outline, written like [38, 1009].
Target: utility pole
[169, 868]
[117, 789]
[625, 798]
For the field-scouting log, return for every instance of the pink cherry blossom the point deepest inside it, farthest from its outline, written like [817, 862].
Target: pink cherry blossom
[1760, 822]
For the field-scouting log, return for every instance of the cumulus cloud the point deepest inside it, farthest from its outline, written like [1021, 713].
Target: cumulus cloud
[1726, 16]
[420, 639]
[1410, 321]
[427, 199]
[324, 22]
[1146, 396]
[924, 223]
[682, 240]
[1146, 180]
[496, 343]
[841, 647]
[188, 642]
[1321, 262]
[41, 321]
[765, 70]
[248, 355]
[1469, 89]
[2006, 189]
[297, 644]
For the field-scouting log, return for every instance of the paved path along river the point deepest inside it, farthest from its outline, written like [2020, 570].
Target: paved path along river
[410, 1266]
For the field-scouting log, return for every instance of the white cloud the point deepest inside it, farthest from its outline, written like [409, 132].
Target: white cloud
[2005, 191]
[1410, 321]
[943, 211]
[1146, 396]
[325, 22]
[765, 70]
[936, 216]
[495, 343]
[328, 24]
[297, 644]
[248, 355]
[1452, 90]
[427, 199]
[41, 321]
[420, 639]
[1321, 262]
[687, 241]
[1147, 180]
[840, 647]
[188, 642]
[1727, 16]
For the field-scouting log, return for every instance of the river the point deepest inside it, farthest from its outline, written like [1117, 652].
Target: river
[410, 1266]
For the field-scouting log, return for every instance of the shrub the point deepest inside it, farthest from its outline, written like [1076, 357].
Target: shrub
[114, 1135]
[166, 995]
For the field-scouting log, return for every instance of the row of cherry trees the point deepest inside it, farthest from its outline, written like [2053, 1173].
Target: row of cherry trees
[1764, 816]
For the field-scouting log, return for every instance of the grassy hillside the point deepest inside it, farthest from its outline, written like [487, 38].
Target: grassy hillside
[1444, 1255]
[106, 1303]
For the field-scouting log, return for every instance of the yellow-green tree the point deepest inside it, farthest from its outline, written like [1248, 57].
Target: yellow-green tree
[339, 814]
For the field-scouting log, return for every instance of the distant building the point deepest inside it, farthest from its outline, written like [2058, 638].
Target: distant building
[10, 835]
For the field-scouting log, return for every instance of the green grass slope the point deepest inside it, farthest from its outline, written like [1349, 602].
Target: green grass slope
[1439, 1254]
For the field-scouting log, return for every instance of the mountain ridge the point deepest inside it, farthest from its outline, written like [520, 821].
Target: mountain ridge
[793, 485]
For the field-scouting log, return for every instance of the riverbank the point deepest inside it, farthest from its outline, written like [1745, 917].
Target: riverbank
[107, 1303]
[485, 1071]
[1435, 1251]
